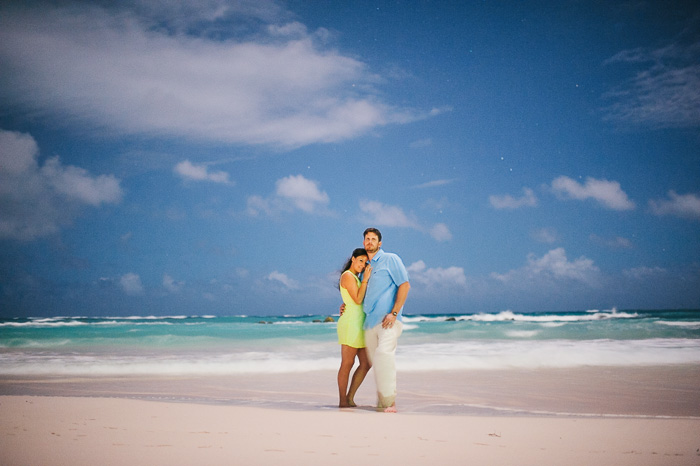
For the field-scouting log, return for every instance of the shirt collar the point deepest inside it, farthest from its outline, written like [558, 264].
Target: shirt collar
[378, 255]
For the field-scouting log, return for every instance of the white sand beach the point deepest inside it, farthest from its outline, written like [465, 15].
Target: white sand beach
[627, 417]
[89, 431]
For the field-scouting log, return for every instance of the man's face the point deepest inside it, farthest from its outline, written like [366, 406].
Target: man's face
[372, 243]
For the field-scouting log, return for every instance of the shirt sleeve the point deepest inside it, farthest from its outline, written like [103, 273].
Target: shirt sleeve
[397, 270]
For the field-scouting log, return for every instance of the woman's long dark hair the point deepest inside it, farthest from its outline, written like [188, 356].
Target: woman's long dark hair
[356, 253]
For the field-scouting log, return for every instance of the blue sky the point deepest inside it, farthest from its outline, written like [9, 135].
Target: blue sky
[218, 157]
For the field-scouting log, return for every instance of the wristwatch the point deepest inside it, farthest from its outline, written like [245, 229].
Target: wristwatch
[395, 313]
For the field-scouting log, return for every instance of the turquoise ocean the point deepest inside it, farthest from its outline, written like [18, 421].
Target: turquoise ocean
[191, 346]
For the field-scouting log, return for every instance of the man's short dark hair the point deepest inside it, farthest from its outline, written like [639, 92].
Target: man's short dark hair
[375, 231]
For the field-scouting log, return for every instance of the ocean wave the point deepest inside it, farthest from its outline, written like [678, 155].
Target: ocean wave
[250, 363]
[526, 354]
[303, 357]
[49, 323]
[689, 325]
[522, 333]
[44, 323]
[509, 316]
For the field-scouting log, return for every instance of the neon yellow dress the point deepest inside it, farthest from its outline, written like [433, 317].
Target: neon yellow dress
[350, 324]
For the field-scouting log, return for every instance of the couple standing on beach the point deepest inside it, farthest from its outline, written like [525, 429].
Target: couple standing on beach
[374, 286]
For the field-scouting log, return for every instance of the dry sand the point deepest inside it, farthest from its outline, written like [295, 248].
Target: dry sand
[587, 416]
[108, 431]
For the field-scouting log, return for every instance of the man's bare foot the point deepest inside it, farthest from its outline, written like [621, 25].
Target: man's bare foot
[391, 409]
[351, 403]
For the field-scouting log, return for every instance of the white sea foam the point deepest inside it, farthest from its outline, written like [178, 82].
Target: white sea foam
[44, 323]
[509, 316]
[249, 363]
[522, 333]
[549, 354]
[297, 358]
[688, 325]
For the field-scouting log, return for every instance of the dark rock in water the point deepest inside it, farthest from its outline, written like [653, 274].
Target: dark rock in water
[316, 321]
[329, 319]
[264, 322]
[450, 319]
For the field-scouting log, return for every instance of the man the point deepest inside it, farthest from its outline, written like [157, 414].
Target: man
[386, 294]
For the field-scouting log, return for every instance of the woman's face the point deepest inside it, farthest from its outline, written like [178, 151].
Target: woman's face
[358, 264]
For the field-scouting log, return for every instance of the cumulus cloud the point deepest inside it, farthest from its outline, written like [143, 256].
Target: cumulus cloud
[303, 193]
[288, 283]
[545, 235]
[294, 192]
[189, 171]
[172, 285]
[38, 200]
[665, 89]
[377, 213]
[441, 232]
[436, 276]
[679, 205]
[507, 201]
[132, 69]
[131, 284]
[606, 193]
[553, 266]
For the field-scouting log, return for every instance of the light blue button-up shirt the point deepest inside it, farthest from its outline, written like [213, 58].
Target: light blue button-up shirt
[388, 272]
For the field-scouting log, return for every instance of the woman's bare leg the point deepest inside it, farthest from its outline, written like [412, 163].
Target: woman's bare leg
[347, 355]
[359, 375]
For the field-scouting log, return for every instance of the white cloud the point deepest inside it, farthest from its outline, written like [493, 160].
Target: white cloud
[257, 205]
[293, 29]
[607, 193]
[291, 193]
[190, 171]
[133, 72]
[665, 89]
[554, 265]
[437, 277]
[643, 273]
[420, 143]
[131, 284]
[435, 183]
[303, 193]
[617, 242]
[545, 235]
[38, 200]
[680, 205]
[440, 232]
[379, 214]
[507, 201]
[387, 215]
[289, 283]
[170, 284]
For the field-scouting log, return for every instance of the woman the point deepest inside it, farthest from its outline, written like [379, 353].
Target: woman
[350, 333]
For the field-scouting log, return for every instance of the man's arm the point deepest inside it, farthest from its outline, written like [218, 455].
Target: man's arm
[401, 295]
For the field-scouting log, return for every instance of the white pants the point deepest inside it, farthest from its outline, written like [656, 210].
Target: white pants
[381, 350]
